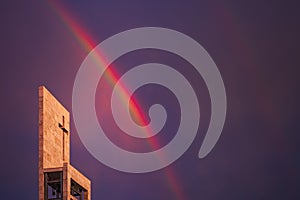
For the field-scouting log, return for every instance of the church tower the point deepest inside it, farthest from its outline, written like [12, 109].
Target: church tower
[58, 180]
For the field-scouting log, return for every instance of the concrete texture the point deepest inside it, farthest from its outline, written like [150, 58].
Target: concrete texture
[54, 146]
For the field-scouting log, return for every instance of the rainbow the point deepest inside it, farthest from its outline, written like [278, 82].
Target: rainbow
[112, 76]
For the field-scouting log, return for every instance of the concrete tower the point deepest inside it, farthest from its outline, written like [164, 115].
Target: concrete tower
[58, 180]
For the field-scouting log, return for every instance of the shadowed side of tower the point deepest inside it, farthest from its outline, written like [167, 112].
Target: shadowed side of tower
[58, 180]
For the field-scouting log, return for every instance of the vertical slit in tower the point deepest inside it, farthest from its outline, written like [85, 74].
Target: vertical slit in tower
[64, 130]
[63, 123]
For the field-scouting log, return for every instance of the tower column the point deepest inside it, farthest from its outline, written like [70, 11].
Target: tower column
[58, 180]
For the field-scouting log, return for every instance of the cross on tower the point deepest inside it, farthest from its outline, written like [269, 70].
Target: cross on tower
[62, 127]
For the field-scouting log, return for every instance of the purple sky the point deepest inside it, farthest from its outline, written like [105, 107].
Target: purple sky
[255, 46]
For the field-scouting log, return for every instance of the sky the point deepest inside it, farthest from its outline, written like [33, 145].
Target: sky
[255, 45]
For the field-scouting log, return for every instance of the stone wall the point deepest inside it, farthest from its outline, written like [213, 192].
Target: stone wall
[54, 144]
